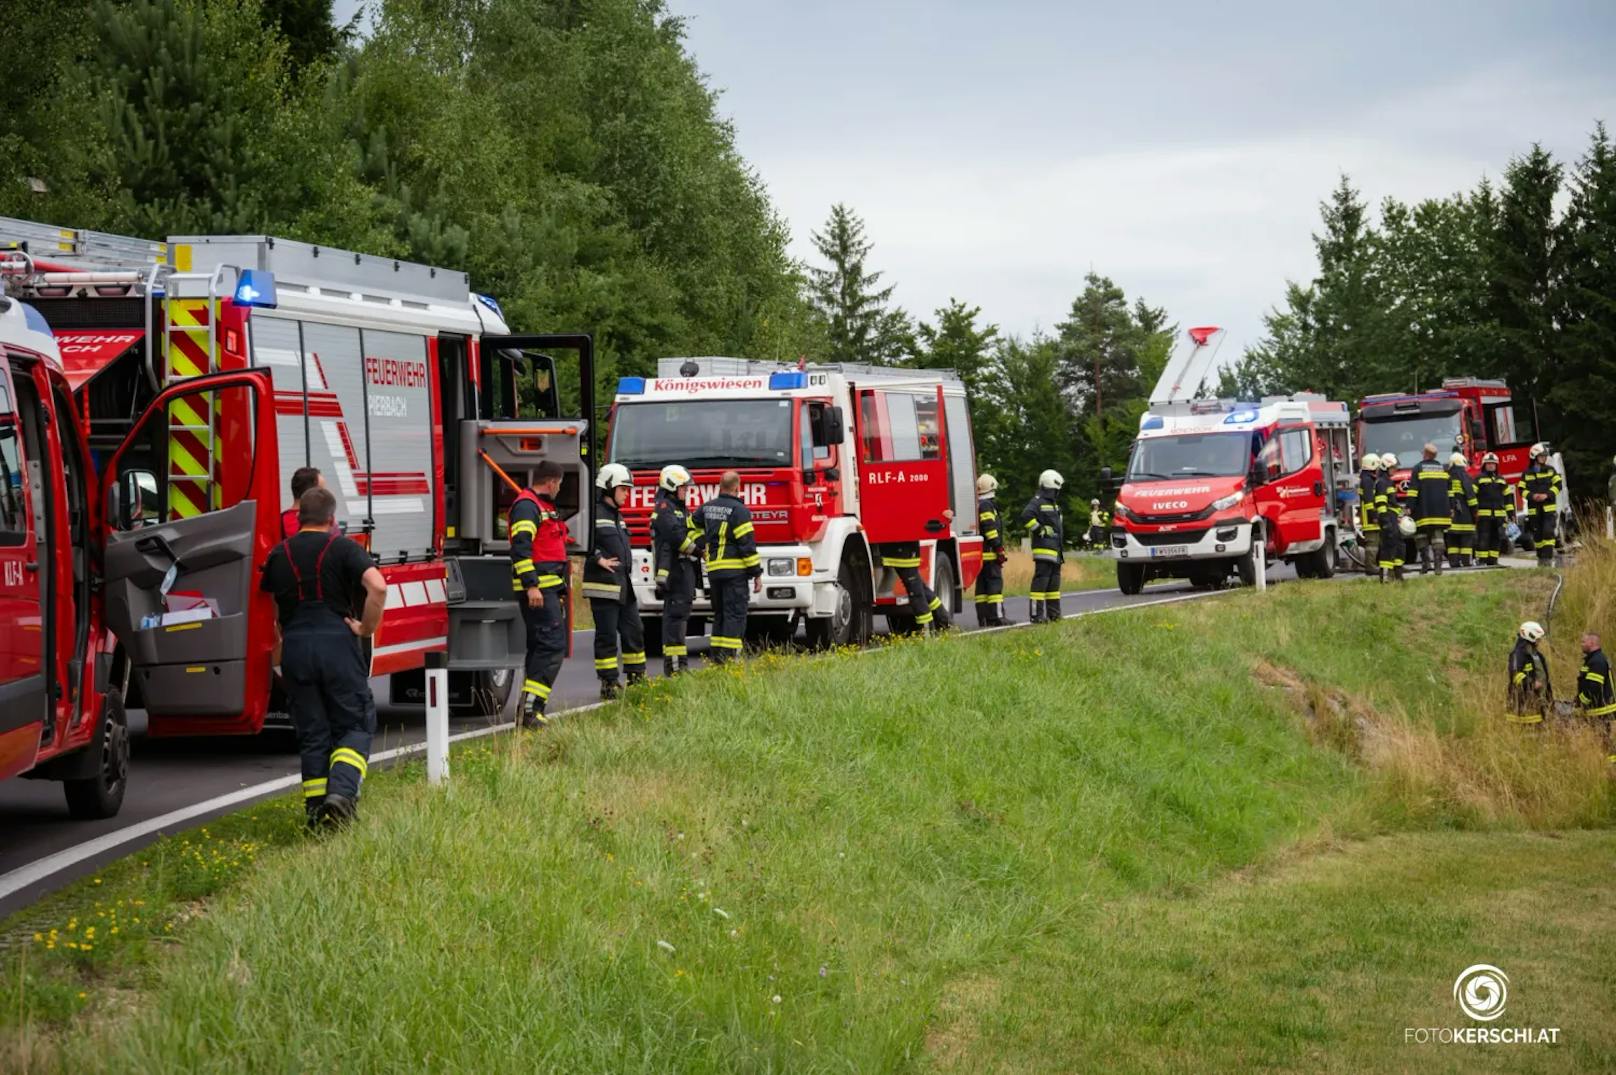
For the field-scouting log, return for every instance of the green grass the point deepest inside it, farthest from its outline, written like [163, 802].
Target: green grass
[1104, 844]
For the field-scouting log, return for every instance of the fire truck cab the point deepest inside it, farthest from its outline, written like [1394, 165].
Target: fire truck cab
[835, 460]
[1213, 484]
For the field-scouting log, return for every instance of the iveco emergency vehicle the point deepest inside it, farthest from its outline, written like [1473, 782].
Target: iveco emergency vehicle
[259, 356]
[834, 461]
[1212, 485]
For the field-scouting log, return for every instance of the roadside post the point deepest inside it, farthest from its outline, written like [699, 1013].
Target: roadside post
[1260, 559]
[437, 717]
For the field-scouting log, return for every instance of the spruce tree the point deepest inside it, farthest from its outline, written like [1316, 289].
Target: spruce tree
[1584, 382]
[861, 326]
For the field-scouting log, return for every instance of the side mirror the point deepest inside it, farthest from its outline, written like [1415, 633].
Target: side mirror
[132, 500]
[828, 427]
[1255, 478]
[1105, 475]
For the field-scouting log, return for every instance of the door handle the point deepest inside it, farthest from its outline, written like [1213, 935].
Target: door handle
[32, 566]
[934, 526]
[1318, 488]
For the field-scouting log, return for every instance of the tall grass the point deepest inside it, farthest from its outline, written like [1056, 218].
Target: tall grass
[1079, 571]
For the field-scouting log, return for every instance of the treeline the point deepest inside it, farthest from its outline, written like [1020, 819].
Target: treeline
[1516, 281]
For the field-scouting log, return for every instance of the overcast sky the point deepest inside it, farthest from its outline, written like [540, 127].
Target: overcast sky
[998, 151]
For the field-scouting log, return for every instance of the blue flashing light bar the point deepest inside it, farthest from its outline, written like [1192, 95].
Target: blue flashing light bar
[256, 288]
[1241, 417]
[779, 382]
[631, 386]
[490, 302]
[1151, 421]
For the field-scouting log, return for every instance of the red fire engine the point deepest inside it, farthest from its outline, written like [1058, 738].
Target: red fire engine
[1466, 415]
[834, 461]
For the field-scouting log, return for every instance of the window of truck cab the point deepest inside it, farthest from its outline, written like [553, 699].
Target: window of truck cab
[701, 434]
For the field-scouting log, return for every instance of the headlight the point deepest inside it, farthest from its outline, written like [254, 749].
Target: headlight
[781, 566]
[1226, 501]
[1122, 512]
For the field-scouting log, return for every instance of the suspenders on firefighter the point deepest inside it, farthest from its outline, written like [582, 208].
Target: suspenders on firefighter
[609, 588]
[1541, 488]
[329, 596]
[1041, 519]
[675, 554]
[1428, 486]
[990, 583]
[539, 578]
[732, 562]
[1495, 505]
[1462, 501]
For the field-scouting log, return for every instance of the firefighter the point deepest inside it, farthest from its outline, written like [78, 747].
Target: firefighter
[1541, 486]
[1596, 696]
[1530, 695]
[1098, 524]
[539, 578]
[329, 596]
[930, 613]
[1428, 488]
[303, 479]
[1462, 503]
[1041, 519]
[675, 552]
[990, 583]
[1368, 513]
[607, 583]
[1495, 503]
[1390, 555]
[732, 562]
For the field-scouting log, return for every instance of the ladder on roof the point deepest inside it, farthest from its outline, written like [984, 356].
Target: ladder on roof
[80, 247]
[1188, 369]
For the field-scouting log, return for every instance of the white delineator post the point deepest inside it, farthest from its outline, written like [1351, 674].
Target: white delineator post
[1610, 523]
[1260, 557]
[437, 717]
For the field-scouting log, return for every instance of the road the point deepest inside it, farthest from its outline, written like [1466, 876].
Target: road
[171, 775]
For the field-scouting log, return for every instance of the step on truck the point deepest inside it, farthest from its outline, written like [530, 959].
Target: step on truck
[210, 368]
[834, 460]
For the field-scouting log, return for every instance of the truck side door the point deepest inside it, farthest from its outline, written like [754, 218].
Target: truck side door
[903, 464]
[1293, 497]
[23, 689]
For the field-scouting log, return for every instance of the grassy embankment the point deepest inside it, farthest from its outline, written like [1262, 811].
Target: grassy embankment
[1261, 830]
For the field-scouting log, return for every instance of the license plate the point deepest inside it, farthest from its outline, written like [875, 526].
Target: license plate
[1170, 550]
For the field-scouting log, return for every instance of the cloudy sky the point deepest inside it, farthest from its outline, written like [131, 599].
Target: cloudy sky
[998, 151]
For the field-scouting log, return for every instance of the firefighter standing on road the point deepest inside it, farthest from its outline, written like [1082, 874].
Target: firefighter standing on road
[329, 595]
[1495, 503]
[1596, 695]
[539, 569]
[990, 583]
[1368, 514]
[1529, 692]
[1428, 484]
[303, 479]
[1041, 519]
[675, 548]
[1541, 486]
[904, 557]
[609, 587]
[732, 562]
[1462, 500]
[1390, 555]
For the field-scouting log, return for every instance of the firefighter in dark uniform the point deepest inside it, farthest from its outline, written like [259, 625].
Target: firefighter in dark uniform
[1041, 519]
[329, 595]
[1462, 502]
[609, 587]
[732, 563]
[1390, 556]
[1530, 695]
[1596, 695]
[675, 556]
[1495, 503]
[1368, 514]
[1541, 488]
[990, 583]
[1428, 485]
[539, 578]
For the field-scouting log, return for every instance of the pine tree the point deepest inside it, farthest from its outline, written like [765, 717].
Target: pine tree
[861, 326]
[307, 27]
[1584, 383]
[1523, 293]
[1100, 344]
[956, 342]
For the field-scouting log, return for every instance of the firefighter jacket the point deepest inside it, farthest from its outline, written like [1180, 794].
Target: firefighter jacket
[1594, 692]
[1528, 680]
[609, 541]
[1041, 519]
[1495, 497]
[538, 543]
[1428, 488]
[726, 528]
[1385, 505]
[1462, 498]
[674, 537]
[1545, 480]
[987, 514]
[1368, 511]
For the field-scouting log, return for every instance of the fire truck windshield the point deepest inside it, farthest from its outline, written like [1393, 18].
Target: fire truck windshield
[1190, 455]
[1406, 436]
[703, 433]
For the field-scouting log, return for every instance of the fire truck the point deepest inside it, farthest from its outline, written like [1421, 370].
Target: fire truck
[835, 460]
[209, 368]
[1212, 485]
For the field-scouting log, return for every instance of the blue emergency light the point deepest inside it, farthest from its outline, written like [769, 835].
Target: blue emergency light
[779, 382]
[490, 302]
[1240, 418]
[1151, 421]
[631, 386]
[256, 287]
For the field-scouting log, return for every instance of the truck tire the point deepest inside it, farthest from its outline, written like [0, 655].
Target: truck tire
[943, 580]
[1130, 578]
[1324, 560]
[849, 624]
[490, 691]
[101, 795]
[1246, 566]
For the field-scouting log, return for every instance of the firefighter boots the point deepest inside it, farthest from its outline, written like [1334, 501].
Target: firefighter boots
[670, 667]
[337, 811]
[609, 690]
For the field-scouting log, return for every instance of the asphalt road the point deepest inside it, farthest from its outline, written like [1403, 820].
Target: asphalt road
[168, 775]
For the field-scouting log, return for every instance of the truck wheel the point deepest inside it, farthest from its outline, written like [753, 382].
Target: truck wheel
[101, 795]
[1246, 566]
[1324, 561]
[653, 635]
[1130, 578]
[945, 588]
[489, 693]
[849, 623]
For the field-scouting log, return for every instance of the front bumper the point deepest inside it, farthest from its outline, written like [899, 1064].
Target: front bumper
[814, 595]
[1224, 540]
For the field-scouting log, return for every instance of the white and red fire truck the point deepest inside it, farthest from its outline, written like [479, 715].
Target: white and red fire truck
[210, 368]
[835, 460]
[1212, 485]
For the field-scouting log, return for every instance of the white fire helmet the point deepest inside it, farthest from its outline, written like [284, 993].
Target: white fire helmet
[674, 477]
[985, 484]
[612, 475]
[1405, 525]
[1371, 461]
[1051, 479]
[1457, 459]
[1388, 462]
[1532, 631]
[1539, 449]
[1490, 457]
